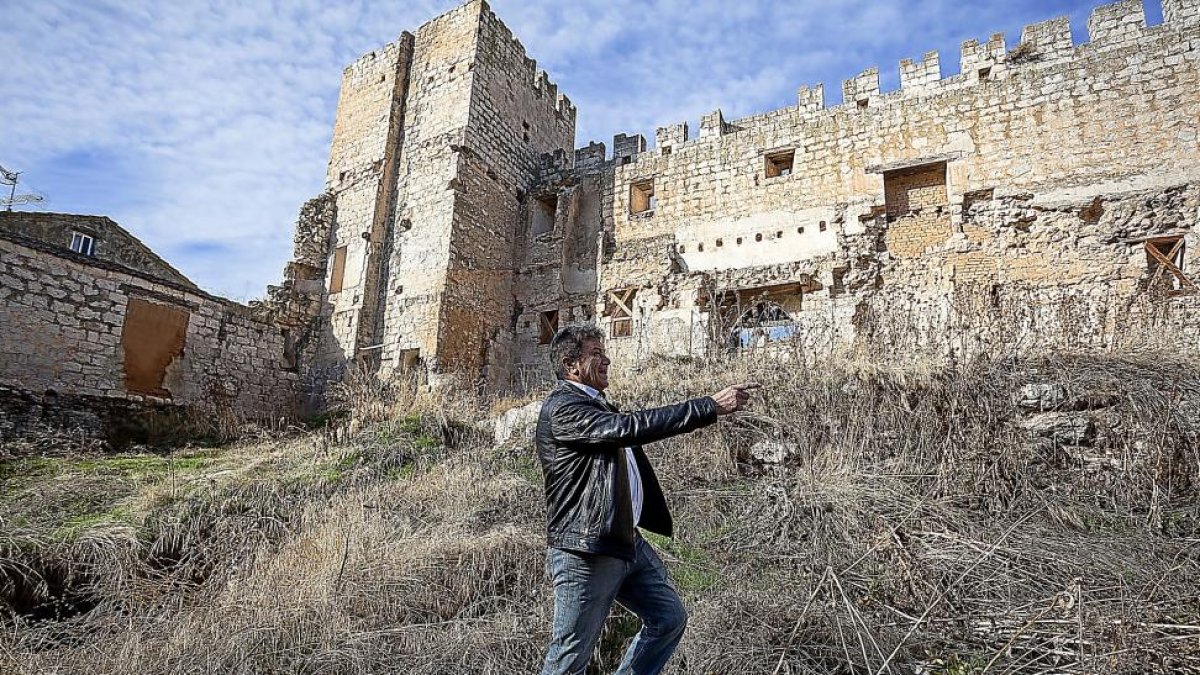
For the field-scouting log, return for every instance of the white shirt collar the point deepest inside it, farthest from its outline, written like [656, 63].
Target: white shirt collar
[584, 388]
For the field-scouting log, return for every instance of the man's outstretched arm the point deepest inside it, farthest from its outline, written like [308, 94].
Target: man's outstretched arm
[589, 426]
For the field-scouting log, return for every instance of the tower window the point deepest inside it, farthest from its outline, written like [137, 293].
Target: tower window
[1165, 262]
[641, 196]
[780, 163]
[545, 209]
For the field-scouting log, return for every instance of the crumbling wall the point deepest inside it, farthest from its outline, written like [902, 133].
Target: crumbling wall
[1011, 203]
[80, 327]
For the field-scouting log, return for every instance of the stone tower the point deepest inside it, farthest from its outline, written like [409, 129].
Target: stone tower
[436, 142]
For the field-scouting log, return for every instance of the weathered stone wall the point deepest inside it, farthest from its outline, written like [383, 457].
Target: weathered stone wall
[111, 242]
[1027, 200]
[367, 138]
[67, 328]
[1035, 176]
[516, 117]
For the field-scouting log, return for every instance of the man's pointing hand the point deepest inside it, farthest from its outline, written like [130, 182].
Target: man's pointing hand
[733, 398]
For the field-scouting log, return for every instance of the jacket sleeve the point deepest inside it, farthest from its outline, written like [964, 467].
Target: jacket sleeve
[588, 426]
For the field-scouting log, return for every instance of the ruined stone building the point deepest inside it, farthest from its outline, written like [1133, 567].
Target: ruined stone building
[1046, 194]
[1048, 188]
[94, 326]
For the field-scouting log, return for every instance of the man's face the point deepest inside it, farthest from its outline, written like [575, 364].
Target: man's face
[592, 367]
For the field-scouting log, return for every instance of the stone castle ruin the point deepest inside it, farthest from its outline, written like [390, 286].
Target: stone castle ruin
[1047, 194]
[465, 229]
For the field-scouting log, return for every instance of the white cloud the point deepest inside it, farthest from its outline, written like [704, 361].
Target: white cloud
[208, 123]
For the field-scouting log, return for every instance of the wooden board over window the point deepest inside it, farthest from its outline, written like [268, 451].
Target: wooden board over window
[339, 270]
[547, 326]
[153, 337]
[1165, 259]
[620, 308]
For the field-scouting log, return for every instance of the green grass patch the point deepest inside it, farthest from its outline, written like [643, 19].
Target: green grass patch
[693, 569]
[75, 525]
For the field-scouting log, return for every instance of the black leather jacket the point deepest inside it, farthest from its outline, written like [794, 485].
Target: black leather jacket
[580, 442]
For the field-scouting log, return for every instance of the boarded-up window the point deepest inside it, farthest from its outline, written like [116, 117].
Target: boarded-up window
[1165, 261]
[620, 308]
[547, 326]
[152, 338]
[339, 270]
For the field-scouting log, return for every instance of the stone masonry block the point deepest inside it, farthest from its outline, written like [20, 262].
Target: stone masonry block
[1183, 12]
[1117, 21]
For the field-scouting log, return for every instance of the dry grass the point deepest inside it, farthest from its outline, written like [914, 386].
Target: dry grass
[916, 527]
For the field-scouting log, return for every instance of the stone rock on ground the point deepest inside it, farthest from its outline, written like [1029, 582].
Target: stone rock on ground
[772, 452]
[1041, 396]
[1063, 428]
[516, 421]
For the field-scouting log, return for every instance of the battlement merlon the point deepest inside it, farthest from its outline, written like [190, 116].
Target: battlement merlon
[1183, 12]
[625, 146]
[566, 108]
[590, 156]
[671, 135]
[1045, 41]
[811, 98]
[975, 56]
[861, 87]
[923, 74]
[1116, 22]
[713, 124]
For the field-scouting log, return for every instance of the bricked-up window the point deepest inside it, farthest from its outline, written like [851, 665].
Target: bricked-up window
[910, 191]
[83, 243]
[152, 337]
[1165, 261]
[547, 326]
[620, 308]
[641, 196]
[339, 270]
[780, 163]
[543, 212]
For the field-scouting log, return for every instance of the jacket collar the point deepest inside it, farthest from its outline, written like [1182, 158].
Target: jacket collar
[584, 388]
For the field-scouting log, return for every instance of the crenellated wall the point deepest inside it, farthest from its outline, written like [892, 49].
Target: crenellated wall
[931, 217]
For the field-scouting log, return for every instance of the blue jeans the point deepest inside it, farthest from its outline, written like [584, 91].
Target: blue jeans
[585, 587]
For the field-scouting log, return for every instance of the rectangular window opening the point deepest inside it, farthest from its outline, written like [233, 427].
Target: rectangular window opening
[544, 212]
[1165, 261]
[620, 309]
[780, 163]
[547, 326]
[641, 196]
[339, 270]
[83, 243]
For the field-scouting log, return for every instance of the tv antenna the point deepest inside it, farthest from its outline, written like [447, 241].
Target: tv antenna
[11, 178]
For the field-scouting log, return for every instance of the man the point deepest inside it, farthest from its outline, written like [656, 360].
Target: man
[599, 489]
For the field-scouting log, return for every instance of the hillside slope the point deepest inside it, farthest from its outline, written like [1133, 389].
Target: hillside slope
[1035, 516]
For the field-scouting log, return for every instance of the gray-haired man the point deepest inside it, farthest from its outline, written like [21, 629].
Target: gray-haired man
[599, 489]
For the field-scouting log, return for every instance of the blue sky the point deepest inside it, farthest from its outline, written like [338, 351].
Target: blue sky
[202, 126]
